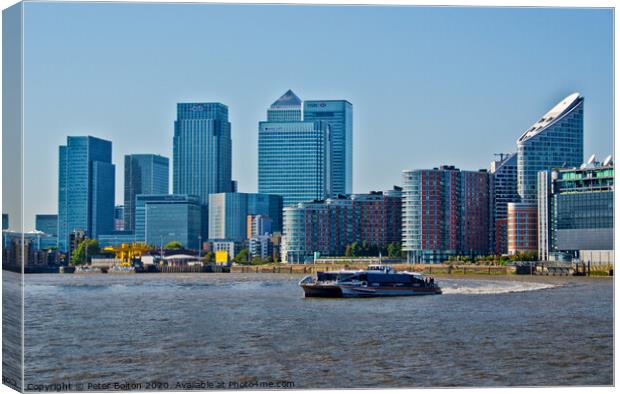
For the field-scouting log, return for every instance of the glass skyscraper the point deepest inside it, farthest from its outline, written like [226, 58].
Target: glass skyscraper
[555, 141]
[85, 188]
[144, 174]
[294, 156]
[202, 153]
[339, 115]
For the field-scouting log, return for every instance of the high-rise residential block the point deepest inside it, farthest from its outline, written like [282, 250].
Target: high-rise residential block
[503, 189]
[144, 174]
[328, 227]
[554, 141]
[445, 213]
[522, 227]
[85, 189]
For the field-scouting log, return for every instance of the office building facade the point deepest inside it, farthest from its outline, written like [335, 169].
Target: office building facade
[164, 218]
[576, 211]
[144, 174]
[293, 160]
[338, 114]
[46, 223]
[85, 188]
[202, 153]
[228, 214]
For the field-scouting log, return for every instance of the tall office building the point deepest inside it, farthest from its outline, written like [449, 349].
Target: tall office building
[555, 141]
[202, 153]
[339, 115]
[294, 156]
[228, 213]
[503, 189]
[85, 188]
[5, 221]
[144, 174]
[445, 213]
[46, 223]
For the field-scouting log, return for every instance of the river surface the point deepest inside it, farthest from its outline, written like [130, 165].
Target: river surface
[179, 330]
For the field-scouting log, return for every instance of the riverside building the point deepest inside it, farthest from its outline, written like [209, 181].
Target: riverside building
[326, 227]
[576, 213]
[554, 141]
[522, 227]
[85, 189]
[445, 214]
[165, 218]
[503, 183]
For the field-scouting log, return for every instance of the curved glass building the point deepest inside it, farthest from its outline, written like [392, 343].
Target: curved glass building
[554, 141]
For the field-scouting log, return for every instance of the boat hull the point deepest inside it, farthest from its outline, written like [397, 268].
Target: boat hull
[344, 291]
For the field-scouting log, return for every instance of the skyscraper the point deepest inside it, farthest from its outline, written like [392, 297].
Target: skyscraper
[294, 156]
[503, 184]
[202, 150]
[555, 141]
[144, 174]
[202, 153]
[85, 188]
[339, 115]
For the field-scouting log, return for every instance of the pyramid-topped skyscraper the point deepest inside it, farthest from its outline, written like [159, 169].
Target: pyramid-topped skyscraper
[286, 108]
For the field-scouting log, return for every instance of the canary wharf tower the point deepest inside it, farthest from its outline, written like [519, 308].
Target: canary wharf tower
[554, 141]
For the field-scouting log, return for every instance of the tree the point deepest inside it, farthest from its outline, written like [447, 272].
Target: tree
[394, 250]
[173, 245]
[242, 256]
[208, 257]
[84, 252]
[356, 249]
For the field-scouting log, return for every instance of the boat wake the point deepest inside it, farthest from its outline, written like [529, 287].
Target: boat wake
[491, 287]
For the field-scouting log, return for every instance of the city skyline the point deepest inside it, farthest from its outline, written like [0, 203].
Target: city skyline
[507, 111]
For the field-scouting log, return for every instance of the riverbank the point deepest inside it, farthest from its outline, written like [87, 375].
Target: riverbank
[429, 269]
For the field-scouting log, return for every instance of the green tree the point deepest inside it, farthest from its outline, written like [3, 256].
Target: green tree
[242, 257]
[84, 252]
[356, 249]
[394, 250]
[173, 245]
[208, 257]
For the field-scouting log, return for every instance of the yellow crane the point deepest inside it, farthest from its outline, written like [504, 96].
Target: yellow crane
[126, 253]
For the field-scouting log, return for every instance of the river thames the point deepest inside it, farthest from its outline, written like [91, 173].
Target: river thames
[94, 331]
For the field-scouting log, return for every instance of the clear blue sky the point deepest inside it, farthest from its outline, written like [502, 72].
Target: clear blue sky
[429, 86]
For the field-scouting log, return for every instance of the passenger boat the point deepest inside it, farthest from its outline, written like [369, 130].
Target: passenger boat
[377, 281]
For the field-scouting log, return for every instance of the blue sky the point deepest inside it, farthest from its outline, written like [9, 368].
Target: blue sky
[429, 86]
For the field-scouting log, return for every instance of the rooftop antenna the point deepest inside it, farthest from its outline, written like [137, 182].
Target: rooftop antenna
[607, 161]
[591, 159]
[501, 155]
